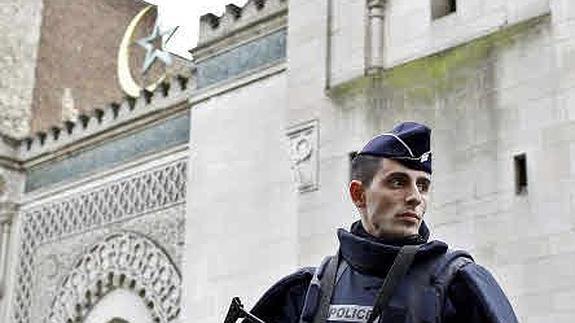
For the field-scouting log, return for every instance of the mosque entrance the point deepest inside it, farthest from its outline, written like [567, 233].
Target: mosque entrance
[124, 276]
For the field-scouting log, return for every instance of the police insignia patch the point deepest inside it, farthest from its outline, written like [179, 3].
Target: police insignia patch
[349, 313]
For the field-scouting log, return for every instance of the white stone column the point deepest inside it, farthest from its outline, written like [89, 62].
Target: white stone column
[7, 211]
[375, 43]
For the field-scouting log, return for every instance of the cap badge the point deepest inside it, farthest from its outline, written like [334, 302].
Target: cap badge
[424, 157]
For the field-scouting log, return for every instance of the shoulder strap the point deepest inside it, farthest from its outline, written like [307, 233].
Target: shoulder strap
[319, 290]
[327, 283]
[398, 269]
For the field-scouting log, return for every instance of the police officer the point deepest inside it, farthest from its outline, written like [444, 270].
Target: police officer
[386, 270]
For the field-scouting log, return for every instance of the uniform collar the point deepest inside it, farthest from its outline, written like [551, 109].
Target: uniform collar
[374, 256]
[420, 238]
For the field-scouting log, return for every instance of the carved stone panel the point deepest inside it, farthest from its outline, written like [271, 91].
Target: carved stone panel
[303, 143]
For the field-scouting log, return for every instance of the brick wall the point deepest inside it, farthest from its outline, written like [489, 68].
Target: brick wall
[77, 56]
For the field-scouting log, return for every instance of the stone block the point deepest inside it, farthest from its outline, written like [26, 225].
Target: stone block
[518, 10]
[459, 235]
[537, 305]
[11, 185]
[520, 63]
[562, 242]
[550, 273]
[313, 249]
[549, 317]
[399, 7]
[512, 279]
[347, 41]
[562, 301]
[563, 30]
[522, 249]
[562, 10]
[444, 214]
[414, 22]
[307, 24]
[20, 26]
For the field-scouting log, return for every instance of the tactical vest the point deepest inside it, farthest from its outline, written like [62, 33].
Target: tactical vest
[418, 298]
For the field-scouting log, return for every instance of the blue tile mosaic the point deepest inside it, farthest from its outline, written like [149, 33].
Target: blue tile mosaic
[262, 51]
[158, 137]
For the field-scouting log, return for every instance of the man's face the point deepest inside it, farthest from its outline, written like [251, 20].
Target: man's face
[393, 204]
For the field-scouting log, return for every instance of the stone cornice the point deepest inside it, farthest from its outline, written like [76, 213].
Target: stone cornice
[9, 152]
[102, 124]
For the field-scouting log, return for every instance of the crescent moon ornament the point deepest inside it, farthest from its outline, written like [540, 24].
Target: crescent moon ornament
[127, 81]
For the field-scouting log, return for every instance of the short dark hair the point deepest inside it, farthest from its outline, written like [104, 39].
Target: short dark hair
[364, 167]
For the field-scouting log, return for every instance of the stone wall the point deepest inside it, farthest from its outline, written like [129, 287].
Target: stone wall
[241, 211]
[488, 96]
[270, 144]
[408, 30]
[20, 29]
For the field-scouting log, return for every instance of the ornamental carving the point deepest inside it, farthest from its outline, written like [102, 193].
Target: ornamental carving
[144, 193]
[303, 143]
[122, 260]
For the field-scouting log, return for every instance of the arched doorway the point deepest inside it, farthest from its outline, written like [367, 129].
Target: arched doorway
[124, 268]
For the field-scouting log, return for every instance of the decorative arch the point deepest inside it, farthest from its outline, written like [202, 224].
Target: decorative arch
[119, 306]
[121, 260]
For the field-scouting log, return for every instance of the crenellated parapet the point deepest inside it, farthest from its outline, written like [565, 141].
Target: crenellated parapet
[241, 41]
[104, 121]
[236, 19]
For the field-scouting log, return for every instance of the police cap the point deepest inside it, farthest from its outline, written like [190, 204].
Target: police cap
[408, 143]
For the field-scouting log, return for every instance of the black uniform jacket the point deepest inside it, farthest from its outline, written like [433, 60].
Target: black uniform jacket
[472, 296]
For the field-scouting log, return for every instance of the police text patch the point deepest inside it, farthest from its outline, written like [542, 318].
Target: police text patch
[349, 313]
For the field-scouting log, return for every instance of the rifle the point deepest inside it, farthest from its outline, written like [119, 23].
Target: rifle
[237, 311]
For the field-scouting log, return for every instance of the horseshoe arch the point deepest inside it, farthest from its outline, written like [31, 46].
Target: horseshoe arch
[126, 261]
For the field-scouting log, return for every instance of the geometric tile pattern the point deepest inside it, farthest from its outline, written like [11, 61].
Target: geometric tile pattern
[128, 197]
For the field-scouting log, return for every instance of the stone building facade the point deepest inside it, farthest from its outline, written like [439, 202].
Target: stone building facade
[20, 23]
[220, 182]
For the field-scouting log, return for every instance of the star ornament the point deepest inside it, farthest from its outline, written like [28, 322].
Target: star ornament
[152, 52]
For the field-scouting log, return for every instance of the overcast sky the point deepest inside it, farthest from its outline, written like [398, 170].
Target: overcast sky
[186, 14]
